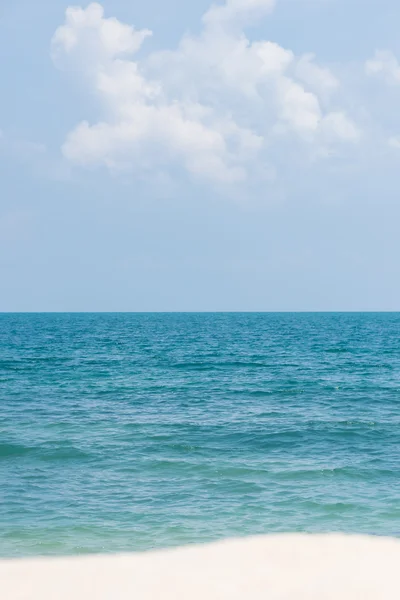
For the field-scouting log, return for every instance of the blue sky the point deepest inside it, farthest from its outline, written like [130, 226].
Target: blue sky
[181, 155]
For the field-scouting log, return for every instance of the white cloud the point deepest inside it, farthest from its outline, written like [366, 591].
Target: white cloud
[213, 105]
[394, 142]
[384, 65]
[337, 125]
[147, 134]
[319, 79]
[233, 11]
[298, 108]
[88, 29]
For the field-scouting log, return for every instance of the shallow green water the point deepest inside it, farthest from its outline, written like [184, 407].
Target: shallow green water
[128, 432]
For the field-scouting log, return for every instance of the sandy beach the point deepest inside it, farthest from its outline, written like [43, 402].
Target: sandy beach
[282, 567]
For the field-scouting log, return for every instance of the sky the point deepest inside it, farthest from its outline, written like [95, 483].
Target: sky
[187, 156]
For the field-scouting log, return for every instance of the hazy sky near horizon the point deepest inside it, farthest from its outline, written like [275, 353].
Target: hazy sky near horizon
[174, 155]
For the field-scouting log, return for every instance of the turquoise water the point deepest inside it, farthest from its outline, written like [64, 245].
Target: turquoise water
[123, 432]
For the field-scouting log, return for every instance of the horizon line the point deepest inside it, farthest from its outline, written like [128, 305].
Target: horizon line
[188, 312]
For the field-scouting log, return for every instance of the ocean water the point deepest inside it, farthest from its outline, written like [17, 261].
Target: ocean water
[125, 432]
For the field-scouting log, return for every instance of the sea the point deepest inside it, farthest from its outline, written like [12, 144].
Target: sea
[128, 432]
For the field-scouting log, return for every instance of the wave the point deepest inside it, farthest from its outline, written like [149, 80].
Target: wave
[44, 452]
[8, 450]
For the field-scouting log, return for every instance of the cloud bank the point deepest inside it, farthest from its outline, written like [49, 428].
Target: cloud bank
[217, 106]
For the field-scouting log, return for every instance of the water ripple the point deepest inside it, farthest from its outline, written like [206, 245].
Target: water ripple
[128, 432]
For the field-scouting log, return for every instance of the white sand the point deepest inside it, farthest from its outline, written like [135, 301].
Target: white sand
[269, 568]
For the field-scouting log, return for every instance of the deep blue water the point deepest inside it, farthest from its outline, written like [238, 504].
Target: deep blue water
[127, 432]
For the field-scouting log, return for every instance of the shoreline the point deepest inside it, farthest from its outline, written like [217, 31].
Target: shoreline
[274, 567]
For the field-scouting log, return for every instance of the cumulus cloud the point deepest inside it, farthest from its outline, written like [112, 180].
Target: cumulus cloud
[384, 65]
[105, 38]
[319, 79]
[214, 105]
